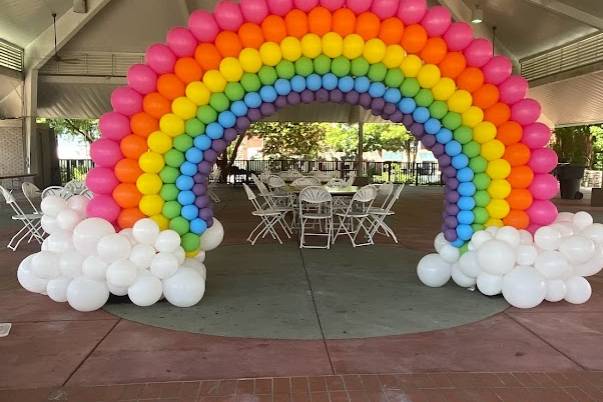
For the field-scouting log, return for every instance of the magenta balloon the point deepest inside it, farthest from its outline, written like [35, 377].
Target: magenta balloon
[385, 8]
[543, 160]
[280, 7]
[103, 206]
[542, 212]
[160, 58]
[479, 52]
[458, 36]
[228, 15]
[436, 20]
[513, 89]
[181, 41]
[497, 70]
[101, 180]
[411, 11]
[526, 111]
[332, 5]
[114, 126]
[105, 152]
[359, 6]
[203, 25]
[536, 135]
[307, 5]
[126, 101]
[142, 78]
[544, 186]
[254, 10]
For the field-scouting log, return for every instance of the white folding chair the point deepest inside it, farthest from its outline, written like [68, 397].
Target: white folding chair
[30, 222]
[306, 181]
[355, 217]
[75, 186]
[378, 215]
[213, 179]
[58, 191]
[270, 203]
[315, 210]
[351, 178]
[280, 195]
[384, 191]
[269, 218]
[31, 192]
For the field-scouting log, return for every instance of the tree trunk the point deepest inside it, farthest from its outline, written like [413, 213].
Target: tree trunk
[360, 150]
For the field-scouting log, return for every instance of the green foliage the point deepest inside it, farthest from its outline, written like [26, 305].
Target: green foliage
[580, 145]
[84, 129]
[289, 140]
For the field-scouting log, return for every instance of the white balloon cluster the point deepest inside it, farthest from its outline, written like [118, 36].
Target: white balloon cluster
[84, 260]
[526, 269]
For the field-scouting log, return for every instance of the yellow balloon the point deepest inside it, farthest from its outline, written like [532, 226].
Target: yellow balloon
[428, 76]
[151, 204]
[291, 48]
[159, 142]
[311, 45]
[184, 108]
[161, 221]
[498, 169]
[250, 60]
[460, 101]
[231, 69]
[443, 89]
[473, 116]
[498, 209]
[332, 44]
[499, 189]
[171, 124]
[151, 162]
[411, 65]
[270, 53]
[492, 150]
[214, 81]
[353, 46]
[484, 132]
[192, 254]
[198, 93]
[494, 222]
[374, 51]
[149, 183]
[394, 54]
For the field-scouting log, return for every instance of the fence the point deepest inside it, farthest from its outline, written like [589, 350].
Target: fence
[73, 169]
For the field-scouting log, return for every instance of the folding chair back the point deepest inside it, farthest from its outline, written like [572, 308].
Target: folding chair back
[315, 195]
[384, 192]
[351, 178]
[395, 196]
[75, 186]
[56, 190]
[252, 198]
[316, 209]
[305, 182]
[276, 182]
[29, 228]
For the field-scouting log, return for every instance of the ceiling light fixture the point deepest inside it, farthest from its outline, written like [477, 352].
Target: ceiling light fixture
[477, 14]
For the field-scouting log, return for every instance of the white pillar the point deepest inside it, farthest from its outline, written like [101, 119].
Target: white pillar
[30, 111]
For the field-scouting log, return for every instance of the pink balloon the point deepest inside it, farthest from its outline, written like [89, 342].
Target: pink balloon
[479, 52]
[497, 70]
[385, 8]
[513, 89]
[126, 101]
[526, 111]
[142, 78]
[544, 187]
[203, 25]
[228, 15]
[359, 6]
[542, 212]
[160, 58]
[101, 180]
[543, 160]
[103, 206]
[332, 5]
[458, 36]
[181, 41]
[254, 10]
[532, 228]
[307, 5]
[280, 7]
[105, 152]
[114, 126]
[536, 135]
[412, 11]
[436, 20]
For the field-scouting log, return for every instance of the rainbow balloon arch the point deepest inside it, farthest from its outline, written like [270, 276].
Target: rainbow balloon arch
[405, 62]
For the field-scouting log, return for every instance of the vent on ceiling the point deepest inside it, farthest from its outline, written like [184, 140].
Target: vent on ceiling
[11, 56]
[92, 64]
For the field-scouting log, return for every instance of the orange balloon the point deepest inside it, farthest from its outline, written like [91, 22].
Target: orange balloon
[156, 105]
[188, 70]
[520, 176]
[414, 38]
[319, 21]
[126, 195]
[344, 21]
[132, 146]
[251, 35]
[517, 218]
[170, 86]
[517, 154]
[520, 198]
[509, 132]
[274, 28]
[143, 124]
[228, 44]
[208, 56]
[453, 64]
[391, 31]
[486, 96]
[434, 51]
[128, 217]
[368, 25]
[297, 23]
[127, 170]
[470, 79]
[498, 113]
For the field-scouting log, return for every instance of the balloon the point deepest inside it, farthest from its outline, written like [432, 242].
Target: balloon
[280, 7]
[513, 89]
[542, 212]
[578, 290]
[496, 257]
[185, 288]
[126, 101]
[113, 247]
[526, 254]
[95, 268]
[436, 21]
[160, 58]
[547, 238]
[593, 231]
[52, 205]
[105, 152]
[479, 52]
[146, 291]
[439, 242]
[577, 249]
[114, 126]
[536, 135]
[592, 266]
[78, 203]
[458, 36]
[87, 234]
[212, 237]
[101, 180]
[449, 253]
[555, 290]
[57, 289]
[122, 273]
[164, 265]
[469, 264]
[509, 235]
[84, 294]
[307, 5]
[489, 284]
[581, 220]
[410, 12]
[460, 278]
[45, 265]
[167, 241]
[544, 186]
[384, 8]
[332, 5]
[228, 15]
[103, 206]
[203, 25]
[254, 10]
[142, 78]
[552, 264]
[543, 160]
[524, 287]
[71, 263]
[181, 41]
[433, 271]
[28, 279]
[497, 70]
[117, 290]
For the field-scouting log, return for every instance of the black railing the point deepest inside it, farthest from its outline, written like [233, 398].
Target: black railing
[73, 169]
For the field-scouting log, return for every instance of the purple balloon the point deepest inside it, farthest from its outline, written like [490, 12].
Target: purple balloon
[377, 104]
[365, 100]
[281, 101]
[267, 109]
[199, 189]
[450, 171]
[202, 201]
[390, 108]
[450, 235]
[417, 130]
[444, 160]
[210, 155]
[437, 149]
[396, 117]
[452, 209]
[293, 98]
[307, 96]
[219, 145]
[322, 95]
[230, 134]
[210, 222]
[452, 183]
[206, 214]
[243, 123]
[205, 168]
[254, 115]
[352, 97]
[452, 196]
[451, 221]
[198, 178]
[428, 140]
[337, 96]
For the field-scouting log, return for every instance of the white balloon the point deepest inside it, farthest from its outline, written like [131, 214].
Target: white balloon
[526, 254]
[113, 247]
[489, 284]
[578, 290]
[594, 232]
[577, 249]
[164, 265]
[449, 253]
[434, 271]
[460, 278]
[57, 289]
[49, 224]
[564, 228]
[201, 256]
[582, 220]
[168, 241]
[510, 235]
[555, 290]
[28, 279]
[439, 242]
[78, 203]
[524, 287]
[52, 205]
[592, 266]
[122, 273]
[479, 238]
[212, 237]
[180, 255]
[145, 231]
[85, 294]
[552, 264]
[526, 237]
[185, 288]
[496, 257]
[59, 242]
[117, 290]
[142, 255]
[95, 268]
[196, 265]
[469, 264]
[45, 265]
[565, 217]
[146, 291]
[492, 230]
[547, 238]
[88, 233]
[67, 219]
[71, 263]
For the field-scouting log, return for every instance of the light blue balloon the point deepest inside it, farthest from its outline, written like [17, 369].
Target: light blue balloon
[377, 90]
[460, 161]
[453, 148]
[392, 95]
[346, 84]
[466, 203]
[282, 86]
[464, 174]
[329, 81]
[189, 212]
[314, 82]
[444, 136]
[362, 84]
[458, 243]
[298, 83]
[227, 119]
[203, 142]
[466, 189]
[239, 108]
[465, 217]
[408, 105]
[421, 114]
[186, 197]
[194, 155]
[184, 183]
[214, 131]
[253, 100]
[189, 168]
[268, 94]
[198, 226]
[432, 126]
[464, 232]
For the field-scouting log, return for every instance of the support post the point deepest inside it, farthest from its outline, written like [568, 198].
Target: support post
[30, 95]
[360, 149]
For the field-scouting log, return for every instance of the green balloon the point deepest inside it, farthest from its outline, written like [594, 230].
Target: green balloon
[341, 66]
[377, 72]
[190, 242]
[194, 127]
[481, 181]
[182, 143]
[464, 248]
[251, 82]
[322, 64]
[169, 192]
[438, 109]
[285, 69]
[207, 114]
[481, 215]
[171, 209]
[478, 164]
[174, 158]
[304, 66]
[477, 226]
[169, 174]
[452, 120]
[179, 225]
[394, 78]
[410, 87]
[471, 149]
[219, 102]
[267, 75]
[482, 198]
[360, 67]
[463, 134]
[424, 97]
[234, 91]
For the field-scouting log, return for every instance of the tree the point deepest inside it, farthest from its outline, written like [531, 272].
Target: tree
[284, 140]
[79, 128]
[580, 145]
